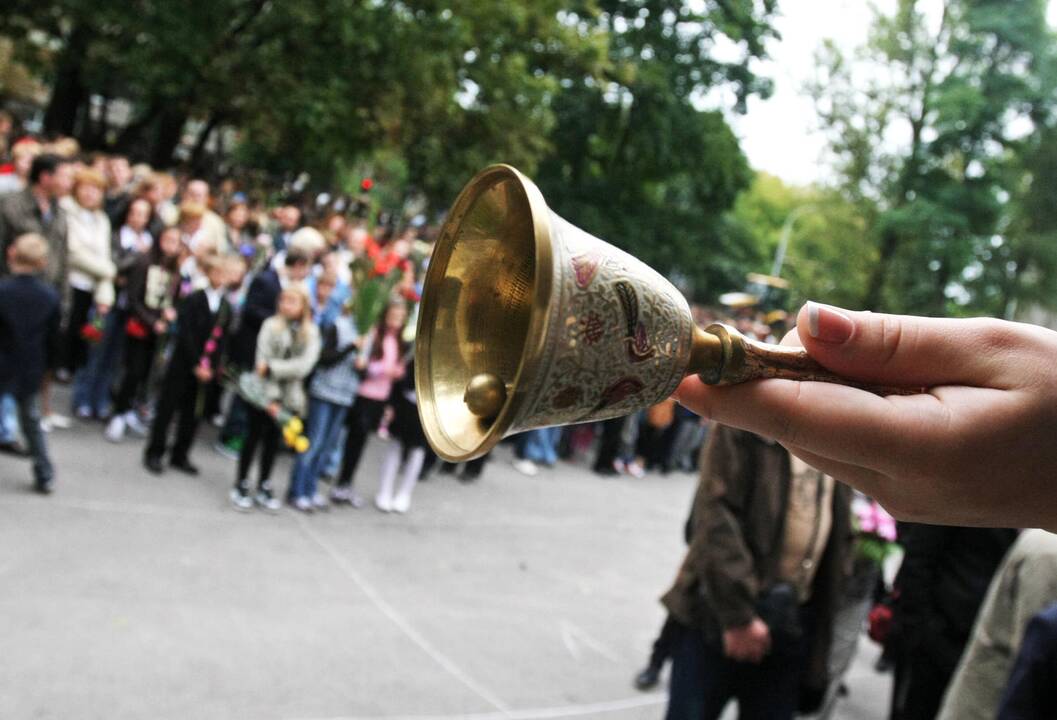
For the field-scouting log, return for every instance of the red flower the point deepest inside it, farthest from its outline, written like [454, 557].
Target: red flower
[366, 184]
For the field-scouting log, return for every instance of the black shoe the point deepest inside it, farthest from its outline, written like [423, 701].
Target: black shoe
[153, 464]
[15, 448]
[185, 466]
[648, 678]
[44, 487]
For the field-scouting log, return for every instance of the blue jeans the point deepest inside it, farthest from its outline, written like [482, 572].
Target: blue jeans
[704, 680]
[91, 384]
[325, 420]
[540, 446]
[8, 418]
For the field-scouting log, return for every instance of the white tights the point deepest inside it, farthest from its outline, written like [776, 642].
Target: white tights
[401, 499]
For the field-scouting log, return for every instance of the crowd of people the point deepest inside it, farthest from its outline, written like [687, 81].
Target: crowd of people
[289, 327]
[280, 324]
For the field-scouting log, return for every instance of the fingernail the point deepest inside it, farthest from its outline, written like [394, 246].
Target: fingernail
[827, 324]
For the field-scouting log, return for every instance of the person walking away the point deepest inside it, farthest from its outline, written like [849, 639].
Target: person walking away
[941, 586]
[384, 366]
[153, 284]
[756, 592]
[29, 334]
[287, 350]
[1024, 585]
[406, 450]
[1031, 692]
[332, 392]
[203, 321]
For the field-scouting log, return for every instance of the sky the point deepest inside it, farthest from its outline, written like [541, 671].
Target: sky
[778, 134]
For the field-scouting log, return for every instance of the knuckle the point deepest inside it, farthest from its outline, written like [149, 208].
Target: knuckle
[891, 331]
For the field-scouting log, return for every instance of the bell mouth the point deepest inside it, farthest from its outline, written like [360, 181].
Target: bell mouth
[484, 311]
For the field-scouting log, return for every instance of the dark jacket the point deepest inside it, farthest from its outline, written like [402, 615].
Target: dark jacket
[261, 300]
[148, 310]
[20, 214]
[195, 327]
[942, 583]
[1031, 692]
[29, 333]
[737, 528]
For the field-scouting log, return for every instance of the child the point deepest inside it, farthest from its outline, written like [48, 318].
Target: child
[287, 350]
[385, 365]
[29, 336]
[332, 392]
[203, 322]
[408, 443]
[152, 286]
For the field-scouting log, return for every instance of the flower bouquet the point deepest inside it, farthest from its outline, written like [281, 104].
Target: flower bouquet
[250, 387]
[373, 281]
[93, 330]
[875, 530]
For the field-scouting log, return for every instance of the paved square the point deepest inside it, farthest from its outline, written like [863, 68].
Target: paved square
[126, 595]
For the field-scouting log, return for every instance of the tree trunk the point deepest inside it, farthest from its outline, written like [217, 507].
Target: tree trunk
[169, 133]
[879, 275]
[198, 153]
[68, 92]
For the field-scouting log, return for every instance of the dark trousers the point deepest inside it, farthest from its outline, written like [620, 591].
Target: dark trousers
[609, 445]
[704, 680]
[29, 420]
[362, 420]
[262, 431]
[75, 348]
[664, 645]
[179, 396]
[918, 684]
[139, 356]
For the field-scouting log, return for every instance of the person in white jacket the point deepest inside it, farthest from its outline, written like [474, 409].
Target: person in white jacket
[91, 269]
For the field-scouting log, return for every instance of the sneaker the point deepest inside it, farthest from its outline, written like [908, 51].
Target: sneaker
[136, 425]
[241, 499]
[59, 422]
[266, 500]
[385, 504]
[226, 449]
[401, 503]
[303, 504]
[635, 470]
[83, 412]
[115, 429]
[648, 678]
[356, 500]
[526, 467]
[319, 502]
[341, 495]
[44, 486]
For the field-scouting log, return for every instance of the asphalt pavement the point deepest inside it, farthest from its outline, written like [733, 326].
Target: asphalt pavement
[126, 595]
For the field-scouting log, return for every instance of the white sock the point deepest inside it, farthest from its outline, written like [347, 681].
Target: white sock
[412, 468]
[390, 464]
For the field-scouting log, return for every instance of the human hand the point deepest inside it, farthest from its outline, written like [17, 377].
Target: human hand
[977, 448]
[748, 643]
[102, 309]
[273, 409]
[203, 374]
[160, 326]
[262, 369]
[169, 314]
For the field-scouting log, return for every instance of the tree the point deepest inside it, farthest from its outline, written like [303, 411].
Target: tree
[635, 160]
[921, 128]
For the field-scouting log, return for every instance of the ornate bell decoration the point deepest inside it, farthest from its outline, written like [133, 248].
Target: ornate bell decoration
[527, 321]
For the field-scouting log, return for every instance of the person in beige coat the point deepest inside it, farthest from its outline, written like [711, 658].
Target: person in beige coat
[90, 269]
[288, 347]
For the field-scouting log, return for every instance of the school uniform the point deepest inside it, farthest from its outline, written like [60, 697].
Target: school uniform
[204, 316]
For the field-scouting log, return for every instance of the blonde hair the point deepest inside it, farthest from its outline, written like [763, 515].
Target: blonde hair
[306, 310]
[191, 210]
[88, 176]
[30, 251]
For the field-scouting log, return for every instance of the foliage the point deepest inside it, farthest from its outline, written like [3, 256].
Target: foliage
[929, 145]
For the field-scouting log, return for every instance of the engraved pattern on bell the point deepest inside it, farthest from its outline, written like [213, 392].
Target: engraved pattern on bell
[619, 334]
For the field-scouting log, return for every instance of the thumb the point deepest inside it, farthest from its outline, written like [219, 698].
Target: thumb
[906, 350]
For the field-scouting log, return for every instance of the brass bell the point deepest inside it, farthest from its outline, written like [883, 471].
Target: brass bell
[528, 321]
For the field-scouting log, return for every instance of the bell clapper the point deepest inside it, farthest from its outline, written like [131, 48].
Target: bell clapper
[485, 395]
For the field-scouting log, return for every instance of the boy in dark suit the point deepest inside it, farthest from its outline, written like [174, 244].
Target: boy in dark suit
[203, 322]
[29, 331]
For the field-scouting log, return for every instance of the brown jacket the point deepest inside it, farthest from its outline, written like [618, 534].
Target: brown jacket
[735, 533]
[19, 214]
